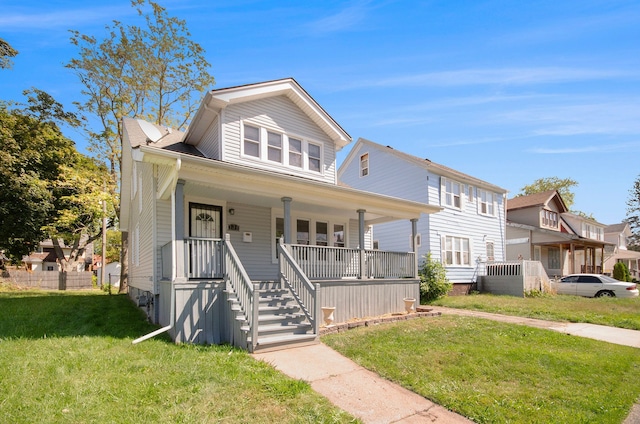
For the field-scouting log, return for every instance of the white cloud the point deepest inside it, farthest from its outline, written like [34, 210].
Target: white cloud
[620, 147]
[35, 19]
[344, 20]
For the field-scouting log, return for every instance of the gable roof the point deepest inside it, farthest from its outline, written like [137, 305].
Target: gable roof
[616, 228]
[424, 163]
[537, 199]
[216, 100]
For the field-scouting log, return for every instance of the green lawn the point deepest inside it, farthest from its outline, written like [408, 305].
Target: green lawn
[623, 313]
[67, 357]
[494, 372]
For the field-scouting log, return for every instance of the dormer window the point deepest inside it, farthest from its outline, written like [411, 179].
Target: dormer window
[549, 218]
[295, 152]
[251, 141]
[275, 147]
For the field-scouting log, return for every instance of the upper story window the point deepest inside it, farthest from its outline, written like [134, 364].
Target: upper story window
[451, 193]
[271, 146]
[486, 203]
[592, 232]
[364, 165]
[274, 148]
[251, 141]
[314, 157]
[295, 152]
[549, 218]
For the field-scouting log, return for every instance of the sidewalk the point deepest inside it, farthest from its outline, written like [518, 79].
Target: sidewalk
[614, 335]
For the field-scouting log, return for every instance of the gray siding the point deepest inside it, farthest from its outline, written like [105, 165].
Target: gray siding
[279, 114]
[141, 275]
[362, 299]
[210, 143]
[256, 255]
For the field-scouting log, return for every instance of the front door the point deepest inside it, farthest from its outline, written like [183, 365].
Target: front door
[205, 221]
[205, 227]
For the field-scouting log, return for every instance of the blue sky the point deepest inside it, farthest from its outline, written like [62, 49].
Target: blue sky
[506, 91]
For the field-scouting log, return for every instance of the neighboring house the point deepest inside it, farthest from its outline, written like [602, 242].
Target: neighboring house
[540, 228]
[45, 258]
[238, 230]
[464, 236]
[618, 235]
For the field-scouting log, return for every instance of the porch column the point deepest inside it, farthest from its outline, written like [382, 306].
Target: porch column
[178, 215]
[363, 265]
[414, 244]
[286, 202]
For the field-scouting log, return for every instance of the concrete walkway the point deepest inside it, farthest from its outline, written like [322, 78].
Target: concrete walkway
[373, 399]
[614, 335]
[356, 390]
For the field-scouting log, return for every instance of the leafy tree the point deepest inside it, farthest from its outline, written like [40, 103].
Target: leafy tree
[433, 280]
[152, 72]
[633, 215]
[6, 53]
[113, 247]
[563, 185]
[43, 179]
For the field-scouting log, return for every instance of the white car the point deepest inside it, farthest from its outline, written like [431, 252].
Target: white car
[595, 285]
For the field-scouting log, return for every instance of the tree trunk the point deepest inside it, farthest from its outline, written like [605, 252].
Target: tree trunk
[124, 262]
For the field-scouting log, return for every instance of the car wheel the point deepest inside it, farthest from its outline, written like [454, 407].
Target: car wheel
[605, 293]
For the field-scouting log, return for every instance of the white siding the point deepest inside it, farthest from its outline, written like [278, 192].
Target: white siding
[392, 175]
[282, 115]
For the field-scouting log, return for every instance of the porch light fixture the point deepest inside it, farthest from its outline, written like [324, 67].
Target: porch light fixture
[232, 211]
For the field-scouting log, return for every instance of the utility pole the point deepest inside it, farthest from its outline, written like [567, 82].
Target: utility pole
[103, 269]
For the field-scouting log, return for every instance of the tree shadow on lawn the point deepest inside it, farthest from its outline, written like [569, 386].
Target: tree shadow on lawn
[35, 315]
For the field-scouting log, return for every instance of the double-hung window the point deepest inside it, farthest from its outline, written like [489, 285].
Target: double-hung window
[485, 203]
[251, 141]
[456, 251]
[274, 147]
[314, 157]
[295, 152]
[364, 165]
[451, 193]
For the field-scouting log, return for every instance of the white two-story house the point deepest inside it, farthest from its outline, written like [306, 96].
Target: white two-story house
[618, 235]
[464, 236]
[239, 231]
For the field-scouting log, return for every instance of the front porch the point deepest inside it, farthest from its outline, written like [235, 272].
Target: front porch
[214, 301]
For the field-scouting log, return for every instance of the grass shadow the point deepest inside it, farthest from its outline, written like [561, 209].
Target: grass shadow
[38, 314]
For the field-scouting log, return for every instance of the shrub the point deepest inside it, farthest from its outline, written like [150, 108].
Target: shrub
[433, 280]
[621, 272]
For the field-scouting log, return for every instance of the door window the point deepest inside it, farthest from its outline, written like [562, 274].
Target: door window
[205, 221]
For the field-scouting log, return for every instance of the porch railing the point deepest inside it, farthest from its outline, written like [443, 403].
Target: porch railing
[204, 257]
[237, 281]
[297, 282]
[323, 262]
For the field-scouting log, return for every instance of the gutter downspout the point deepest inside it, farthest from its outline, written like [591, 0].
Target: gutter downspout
[172, 319]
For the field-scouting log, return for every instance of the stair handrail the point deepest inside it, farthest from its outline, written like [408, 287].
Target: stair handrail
[298, 283]
[238, 281]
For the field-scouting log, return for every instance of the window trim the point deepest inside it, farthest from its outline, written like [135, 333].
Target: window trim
[444, 193]
[285, 150]
[365, 169]
[443, 252]
[482, 201]
[312, 220]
